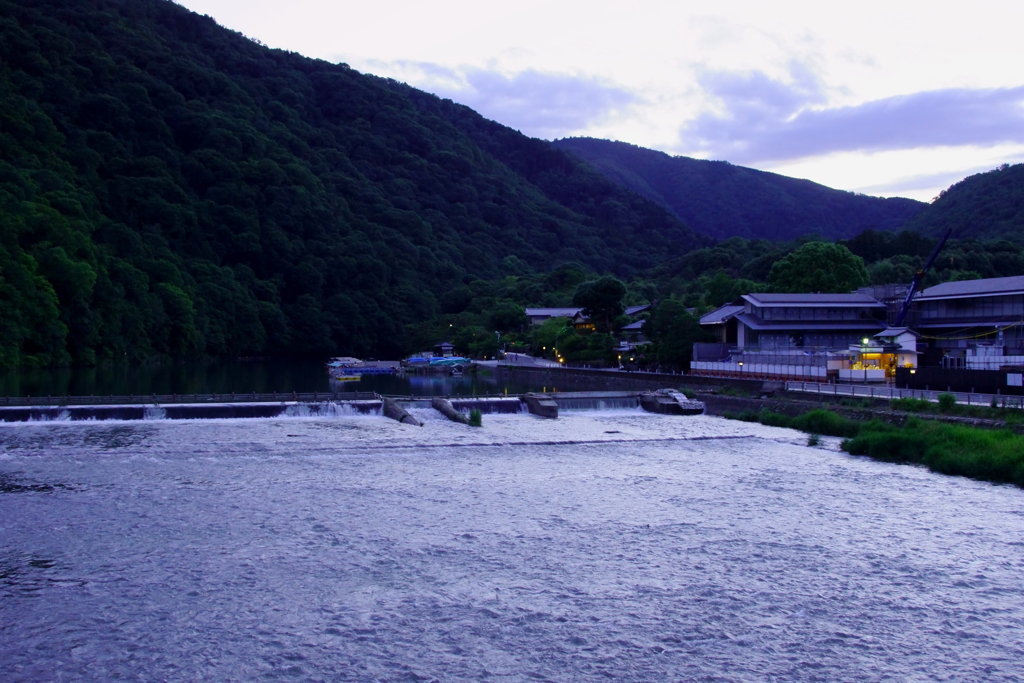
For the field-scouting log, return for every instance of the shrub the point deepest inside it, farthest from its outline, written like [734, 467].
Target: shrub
[911, 405]
[767, 417]
[476, 418]
[687, 392]
[815, 422]
[744, 416]
[947, 402]
[825, 422]
[813, 440]
[886, 443]
[988, 455]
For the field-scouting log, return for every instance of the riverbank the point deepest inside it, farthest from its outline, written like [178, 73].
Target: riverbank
[986, 450]
[980, 442]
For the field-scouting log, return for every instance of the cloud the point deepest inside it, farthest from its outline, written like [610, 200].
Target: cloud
[543, 105]
[763, 120]
[925, 181]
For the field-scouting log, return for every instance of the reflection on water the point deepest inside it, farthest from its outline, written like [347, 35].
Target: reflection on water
[222, 377]
[240, 377]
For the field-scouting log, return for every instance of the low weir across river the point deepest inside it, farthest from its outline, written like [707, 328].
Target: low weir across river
[222, 406]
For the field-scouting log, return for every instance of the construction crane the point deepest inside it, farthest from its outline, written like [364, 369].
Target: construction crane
[916, 282]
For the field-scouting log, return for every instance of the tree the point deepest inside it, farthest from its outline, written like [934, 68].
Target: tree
[674, 330]
[722, 289]
[601, 300]
[508, 316]
[550, 334]
[818, 267]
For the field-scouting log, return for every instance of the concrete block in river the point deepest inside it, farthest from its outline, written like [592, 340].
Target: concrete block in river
[397, 412]
[445, 407]
[669, 402]
[541, 405]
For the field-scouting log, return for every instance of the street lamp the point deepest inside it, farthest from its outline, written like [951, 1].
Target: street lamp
[741, 369]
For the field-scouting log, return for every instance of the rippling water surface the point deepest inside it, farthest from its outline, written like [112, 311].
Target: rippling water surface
[611, 545]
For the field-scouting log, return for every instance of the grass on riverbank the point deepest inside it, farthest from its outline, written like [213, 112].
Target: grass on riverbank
[995, 455]
[947, 405]
[985, 454]
[815, 422]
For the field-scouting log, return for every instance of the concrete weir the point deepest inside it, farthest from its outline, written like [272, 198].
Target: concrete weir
[445, 407]
[546, 405]
[397, 412]
[185, 411]
[541, 405]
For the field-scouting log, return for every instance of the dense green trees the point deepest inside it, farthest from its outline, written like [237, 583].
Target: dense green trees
[601, 301]
[724, 200]
[985, 206]
[818, 267]
[673, 329]
[170, 188]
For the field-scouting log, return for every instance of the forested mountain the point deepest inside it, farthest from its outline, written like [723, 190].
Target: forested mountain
[723, 200]
[984, 206]
[171, 188]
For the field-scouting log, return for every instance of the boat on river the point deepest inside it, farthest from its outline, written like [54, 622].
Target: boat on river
[348, 369]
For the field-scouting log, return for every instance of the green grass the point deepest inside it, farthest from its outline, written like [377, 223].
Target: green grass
[815, 422]
[732, 391]
[857, 402]
[947, 405]
[995, 455]
[476, 418]
[913, 405]
[985, 454]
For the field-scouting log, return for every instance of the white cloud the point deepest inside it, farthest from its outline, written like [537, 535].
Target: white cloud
[763, 120]
[867, 75]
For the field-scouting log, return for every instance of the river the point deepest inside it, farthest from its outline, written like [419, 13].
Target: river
[605, 545]
[242, 377]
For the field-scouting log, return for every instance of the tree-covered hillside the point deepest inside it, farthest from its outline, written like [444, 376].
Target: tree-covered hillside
[722, 200]
[170, 188]
[983, 206]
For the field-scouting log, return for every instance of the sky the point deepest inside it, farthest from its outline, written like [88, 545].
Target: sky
[895, 98]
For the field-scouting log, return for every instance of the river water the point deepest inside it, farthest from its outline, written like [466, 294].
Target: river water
[242, 377]
[612, 545]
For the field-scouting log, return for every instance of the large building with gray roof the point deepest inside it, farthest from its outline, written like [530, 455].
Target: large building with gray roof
[973, 323]
[807, 321]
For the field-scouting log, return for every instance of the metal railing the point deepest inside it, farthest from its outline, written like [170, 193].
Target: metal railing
[891, 392]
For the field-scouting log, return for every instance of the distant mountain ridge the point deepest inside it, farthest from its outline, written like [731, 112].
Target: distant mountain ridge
[722, 200]
[984, 206]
